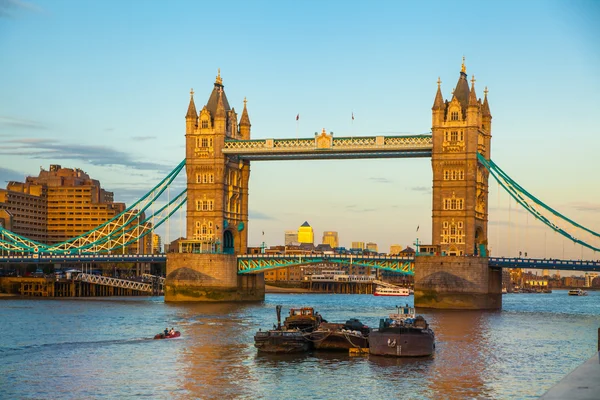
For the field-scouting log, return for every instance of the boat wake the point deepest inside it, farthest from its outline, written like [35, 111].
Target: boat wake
[34, 348]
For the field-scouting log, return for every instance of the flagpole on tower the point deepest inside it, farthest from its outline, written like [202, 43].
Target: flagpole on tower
[297, 126]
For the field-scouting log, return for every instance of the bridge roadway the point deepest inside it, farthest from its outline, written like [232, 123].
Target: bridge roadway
[252, 263]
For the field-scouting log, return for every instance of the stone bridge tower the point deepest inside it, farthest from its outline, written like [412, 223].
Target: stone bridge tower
[461, 128]
[204, 265]
[459, 276]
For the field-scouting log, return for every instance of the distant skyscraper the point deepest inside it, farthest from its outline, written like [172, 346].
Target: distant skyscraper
[358, 245]
[156, 244]
[372, 247]
[395, 249]
[291, 237]
[331, 238]
[306, 234]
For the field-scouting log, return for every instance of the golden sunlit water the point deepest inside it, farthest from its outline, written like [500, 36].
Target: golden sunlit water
[103, 348]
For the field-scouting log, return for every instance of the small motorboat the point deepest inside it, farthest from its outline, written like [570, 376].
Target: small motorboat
[169, 336]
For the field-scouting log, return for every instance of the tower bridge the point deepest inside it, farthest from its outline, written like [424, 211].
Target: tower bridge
[211, 264]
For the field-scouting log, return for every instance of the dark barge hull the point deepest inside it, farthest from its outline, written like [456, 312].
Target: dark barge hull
[281, 342]
[337, 341]
[402, 342]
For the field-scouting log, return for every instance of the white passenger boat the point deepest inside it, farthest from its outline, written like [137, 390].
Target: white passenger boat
[391, 291]
[577, 292]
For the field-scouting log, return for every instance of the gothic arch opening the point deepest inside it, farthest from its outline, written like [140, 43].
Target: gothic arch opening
[480, 243]
[228, 242]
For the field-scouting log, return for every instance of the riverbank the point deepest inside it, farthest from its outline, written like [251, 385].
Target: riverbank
[276, 289]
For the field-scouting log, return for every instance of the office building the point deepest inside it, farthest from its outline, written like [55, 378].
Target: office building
[358, 245]
[291, 238]
[331, 238]
[306, 234]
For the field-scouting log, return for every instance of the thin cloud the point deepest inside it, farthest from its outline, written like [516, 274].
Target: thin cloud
[143, 138]
[259, 215]
[36, 148]
[421, 189]
[585, 207]
[380, 180]
[18, 122]
[7, 174]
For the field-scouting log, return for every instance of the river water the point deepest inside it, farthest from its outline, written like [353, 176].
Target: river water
[103, 349]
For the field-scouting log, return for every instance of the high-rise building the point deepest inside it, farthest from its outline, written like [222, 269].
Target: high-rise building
[291, 237]
[156, 243]
[331, 238]
[75, 203]
[306, 234]
[395, 249]
[372, 247]
[60, 204]
[24, 209]
[358, 245]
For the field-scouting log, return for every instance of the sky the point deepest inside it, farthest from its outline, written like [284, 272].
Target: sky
[104, 86]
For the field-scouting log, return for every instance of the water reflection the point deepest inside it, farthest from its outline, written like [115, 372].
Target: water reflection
[462, 354]
[212, 367]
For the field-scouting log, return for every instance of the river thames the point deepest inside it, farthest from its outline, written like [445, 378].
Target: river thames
[103, 349]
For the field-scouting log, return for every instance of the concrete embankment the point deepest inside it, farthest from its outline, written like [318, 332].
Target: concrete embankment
[275, 289]
[581, 384]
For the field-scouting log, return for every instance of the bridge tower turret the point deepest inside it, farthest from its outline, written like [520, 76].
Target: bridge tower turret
[204, 265]
[459, 277]
[460, 185]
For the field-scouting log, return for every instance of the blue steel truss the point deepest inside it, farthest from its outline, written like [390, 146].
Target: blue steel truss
[253, 263]
[542, 263]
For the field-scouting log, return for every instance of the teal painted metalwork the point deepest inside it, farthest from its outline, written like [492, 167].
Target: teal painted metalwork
[248, 264]
[529, 202]
[106, 232]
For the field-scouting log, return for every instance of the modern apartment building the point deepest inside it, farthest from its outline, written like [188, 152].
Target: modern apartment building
[23, 210]
[59, 204]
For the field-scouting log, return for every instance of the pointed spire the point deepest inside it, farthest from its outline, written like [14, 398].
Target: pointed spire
[220, 107]
[472, 95]
[438, 103]
[219, 81]
[191, 112]
[245, 120]
[463, 68]
[486, 106]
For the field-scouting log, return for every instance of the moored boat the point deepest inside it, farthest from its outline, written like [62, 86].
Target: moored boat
[340, 337]
[402, 335]
[391, 291]
[577, 292]
[288, 338]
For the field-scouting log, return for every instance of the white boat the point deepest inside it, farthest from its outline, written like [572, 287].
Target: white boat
[577, 292]
[391, 291]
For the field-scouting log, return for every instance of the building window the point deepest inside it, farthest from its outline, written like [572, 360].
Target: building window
[454, 136]
[204, 123]
[454, 116]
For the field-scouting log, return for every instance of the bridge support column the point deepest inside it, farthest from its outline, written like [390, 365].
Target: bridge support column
[462, 283]
[210, 278]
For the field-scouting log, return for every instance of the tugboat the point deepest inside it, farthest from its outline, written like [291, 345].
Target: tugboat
[341, 337]
[288, 338]
[402, 335]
